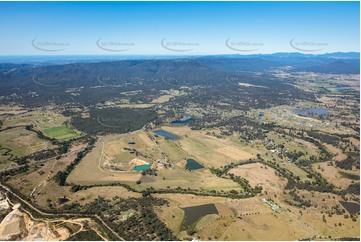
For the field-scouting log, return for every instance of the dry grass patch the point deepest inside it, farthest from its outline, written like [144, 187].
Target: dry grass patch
[188, 200]
[235, 153]
[267, 227]
[200, 179]
[147, 141]
[338, 154]
[171, 215]
[260, 175]
[178, 130]
[107, 192]
[223, 209]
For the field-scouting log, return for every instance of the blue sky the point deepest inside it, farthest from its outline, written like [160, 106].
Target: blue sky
[186, 28]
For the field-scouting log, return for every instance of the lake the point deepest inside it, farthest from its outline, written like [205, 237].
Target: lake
[193, 165]
[193, 214]
[308, 112]
[166, 134]
[182, 121]
[344, 89]
[351, 207]
[142, 167]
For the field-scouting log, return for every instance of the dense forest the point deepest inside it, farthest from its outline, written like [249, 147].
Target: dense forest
[113, 120]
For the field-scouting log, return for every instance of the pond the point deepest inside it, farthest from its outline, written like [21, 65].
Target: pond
[63, 200]
[193, 165]
[308, 112]
[166, 134]
[142, 167]
[351, 207]
[193, 214]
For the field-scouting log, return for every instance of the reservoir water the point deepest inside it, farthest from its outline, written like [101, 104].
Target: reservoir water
[142, 167]
[166, 134]
[308, 112]
[193, 214]
[351, 207]
[193, 165]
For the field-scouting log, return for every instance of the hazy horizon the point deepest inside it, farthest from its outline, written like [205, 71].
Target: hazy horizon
[178, 28]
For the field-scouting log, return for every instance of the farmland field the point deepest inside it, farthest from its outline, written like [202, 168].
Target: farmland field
[62, 133]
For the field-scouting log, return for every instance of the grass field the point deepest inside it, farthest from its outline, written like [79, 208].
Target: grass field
[209, 150]
[62, 133]
[22, 142]
[41, 119]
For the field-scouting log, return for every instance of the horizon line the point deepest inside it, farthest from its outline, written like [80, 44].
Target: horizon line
[165, 55]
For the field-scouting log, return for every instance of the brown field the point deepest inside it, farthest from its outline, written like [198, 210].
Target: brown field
[214, 159]
[106, 192]
[200, 179]
[90, 165]
[212, 151]
[178, 130]
[188, 200]
[354, 141]
[267, 227]
[212, 227]
[254, 220]
[171, 150]
[331, 173]
[313, 216]
[335, 151]
[171, 215]
[235, 153]
[258, 175]
[249, 206]
[223, 210]
[147, 141]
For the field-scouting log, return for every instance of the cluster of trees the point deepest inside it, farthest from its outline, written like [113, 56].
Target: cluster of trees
[349, 162]
[151, 172]
[8, 153]
[244, 183]
[297, 200]
[294, 155]
[39, 155]
[353, 189]
[325, 138]
[75, 187]
[143, 224]
[86, 235]
[7, 174]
